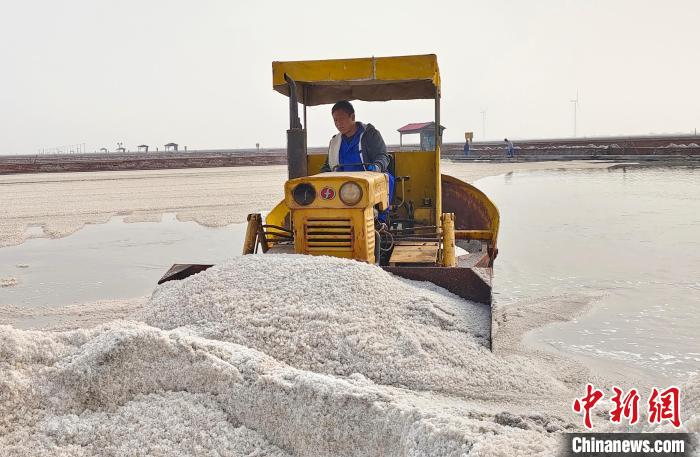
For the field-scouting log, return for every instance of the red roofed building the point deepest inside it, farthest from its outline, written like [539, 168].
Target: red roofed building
[426, 130]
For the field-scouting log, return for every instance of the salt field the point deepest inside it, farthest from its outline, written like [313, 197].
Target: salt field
[313, 356]
[214, 245]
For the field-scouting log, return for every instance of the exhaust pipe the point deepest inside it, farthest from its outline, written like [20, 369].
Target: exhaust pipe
[296, 136]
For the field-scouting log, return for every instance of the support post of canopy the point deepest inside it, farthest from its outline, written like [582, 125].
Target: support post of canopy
[438, 133]
[438, 144]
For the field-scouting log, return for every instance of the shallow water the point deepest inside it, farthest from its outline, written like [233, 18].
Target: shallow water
[109, 261]
[627, 239]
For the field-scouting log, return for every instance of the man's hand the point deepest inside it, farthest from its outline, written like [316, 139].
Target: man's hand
[373, 167]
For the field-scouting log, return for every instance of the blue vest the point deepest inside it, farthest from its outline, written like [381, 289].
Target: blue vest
[350, 152]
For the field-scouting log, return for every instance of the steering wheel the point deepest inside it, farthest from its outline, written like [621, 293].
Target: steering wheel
[363, 164]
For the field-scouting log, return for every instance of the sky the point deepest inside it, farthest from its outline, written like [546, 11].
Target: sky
[199, 73]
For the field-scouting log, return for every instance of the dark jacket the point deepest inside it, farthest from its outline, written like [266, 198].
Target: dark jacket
[372, 148]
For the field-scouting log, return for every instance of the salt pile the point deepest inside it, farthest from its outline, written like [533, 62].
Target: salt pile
[339, 317]
[277, 356]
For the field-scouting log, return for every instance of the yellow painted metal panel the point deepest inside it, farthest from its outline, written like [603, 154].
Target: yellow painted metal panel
[395, 68]
[277, 215]
[425, 216]
[370, 79]
[438, 185]
[408, 67]
[322, 70]
[314, 162]
[422, 186]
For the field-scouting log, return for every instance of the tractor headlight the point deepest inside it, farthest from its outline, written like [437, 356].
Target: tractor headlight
[350, 193]
[304, 194]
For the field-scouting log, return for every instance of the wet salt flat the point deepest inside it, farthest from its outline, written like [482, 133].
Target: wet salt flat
[109, 261]
[625, 239]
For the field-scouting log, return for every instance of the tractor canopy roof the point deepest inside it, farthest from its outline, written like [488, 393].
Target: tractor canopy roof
[371, 79]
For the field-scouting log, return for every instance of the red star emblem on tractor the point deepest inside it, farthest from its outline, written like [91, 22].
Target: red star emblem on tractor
[327, 193]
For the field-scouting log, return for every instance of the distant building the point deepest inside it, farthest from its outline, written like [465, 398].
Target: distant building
[121, 149]
[103, 150]
[171, 147]
[426, 130]
[142, 148]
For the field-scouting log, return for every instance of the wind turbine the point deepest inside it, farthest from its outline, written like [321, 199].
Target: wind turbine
[575, 102]
[483, 124]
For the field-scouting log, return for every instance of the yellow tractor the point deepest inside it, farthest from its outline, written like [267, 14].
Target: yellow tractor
[437, 228]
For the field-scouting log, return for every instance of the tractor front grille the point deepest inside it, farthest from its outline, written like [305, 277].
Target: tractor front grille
[328, 235]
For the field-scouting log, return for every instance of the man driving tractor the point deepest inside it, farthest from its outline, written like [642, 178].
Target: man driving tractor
[357, 147]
